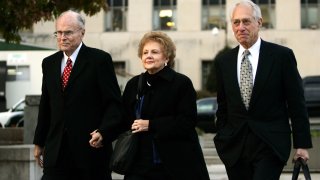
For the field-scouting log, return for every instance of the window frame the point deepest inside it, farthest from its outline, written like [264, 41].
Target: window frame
[165, 24]
[310, 12]
[118, 12]
[205, 72]
[209, 6]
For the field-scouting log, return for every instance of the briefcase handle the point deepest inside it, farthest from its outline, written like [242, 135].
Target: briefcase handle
[298, 164]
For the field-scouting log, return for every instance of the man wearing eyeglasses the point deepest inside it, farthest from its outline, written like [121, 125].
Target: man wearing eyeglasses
[259, 90]
[79, 111]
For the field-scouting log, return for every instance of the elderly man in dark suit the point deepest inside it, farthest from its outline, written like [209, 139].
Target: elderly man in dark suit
[80, 107]
[259, 89]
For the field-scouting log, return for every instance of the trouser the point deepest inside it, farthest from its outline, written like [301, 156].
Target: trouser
[257, 162]
[65, 168]
[73, 173]
[158, 172]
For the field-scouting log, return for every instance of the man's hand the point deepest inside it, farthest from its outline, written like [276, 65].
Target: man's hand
[303, 153]
[38, 155]
[96, 139]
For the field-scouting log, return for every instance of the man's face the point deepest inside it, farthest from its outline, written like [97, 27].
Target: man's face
[245, 27]
[69, 34]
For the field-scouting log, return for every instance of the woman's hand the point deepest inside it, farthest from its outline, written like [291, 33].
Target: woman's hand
[140, 125]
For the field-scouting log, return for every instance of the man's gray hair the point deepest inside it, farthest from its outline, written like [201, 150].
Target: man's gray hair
[256, 9]
[80, 19]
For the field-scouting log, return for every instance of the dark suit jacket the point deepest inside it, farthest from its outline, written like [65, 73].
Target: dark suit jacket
[90, 101]
[277, 96]
[170, 106]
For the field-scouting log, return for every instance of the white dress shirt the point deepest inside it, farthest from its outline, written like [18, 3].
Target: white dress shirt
[73, 58]
[253, 58]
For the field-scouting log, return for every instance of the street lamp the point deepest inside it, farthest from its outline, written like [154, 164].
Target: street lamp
[215, 31]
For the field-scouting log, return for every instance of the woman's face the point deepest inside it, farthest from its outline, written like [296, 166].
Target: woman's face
[153, 58]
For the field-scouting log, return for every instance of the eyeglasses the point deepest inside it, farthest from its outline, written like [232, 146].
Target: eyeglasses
[59, 34]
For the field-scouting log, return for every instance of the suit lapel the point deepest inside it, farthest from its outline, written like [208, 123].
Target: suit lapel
[264, 68]
[230, 76]
[233, 72]
[57, 69]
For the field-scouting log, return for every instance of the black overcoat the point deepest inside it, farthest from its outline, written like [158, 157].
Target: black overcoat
[90, 101]
[277, 96]
[170, 106]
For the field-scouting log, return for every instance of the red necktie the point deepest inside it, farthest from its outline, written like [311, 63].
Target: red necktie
[66, 73]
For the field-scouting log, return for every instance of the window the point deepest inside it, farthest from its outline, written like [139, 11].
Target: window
[19, 107]
[268, 12]
[205, 69]
[213, 14]
[122, 76]
[310, 14]
[18, 73]
[164, 14]
[116, 17]
[119, 67]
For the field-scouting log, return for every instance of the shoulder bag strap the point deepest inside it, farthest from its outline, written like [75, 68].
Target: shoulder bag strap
[140, 97]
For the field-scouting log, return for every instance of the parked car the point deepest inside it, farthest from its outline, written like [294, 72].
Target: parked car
[311, 86]
[11, 117]
[206, 108]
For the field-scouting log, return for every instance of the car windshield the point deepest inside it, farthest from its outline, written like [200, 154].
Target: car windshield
[20, 107]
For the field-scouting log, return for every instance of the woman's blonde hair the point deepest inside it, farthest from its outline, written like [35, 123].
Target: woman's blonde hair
[169, 48]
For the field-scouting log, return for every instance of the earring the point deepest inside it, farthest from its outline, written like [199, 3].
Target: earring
[165, 64]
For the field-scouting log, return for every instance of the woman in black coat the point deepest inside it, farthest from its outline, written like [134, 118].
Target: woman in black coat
[165, 118]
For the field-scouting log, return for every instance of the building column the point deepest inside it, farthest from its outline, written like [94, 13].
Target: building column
[189, 15]
[288, 15]
[140, 15]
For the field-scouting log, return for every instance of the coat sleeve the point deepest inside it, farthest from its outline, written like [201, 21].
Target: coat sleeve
[296, 103]
[44, 115]
[221, 98]
[111, 95]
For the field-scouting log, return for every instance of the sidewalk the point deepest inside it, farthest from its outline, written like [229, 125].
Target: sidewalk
[215, 166]
[218, 172]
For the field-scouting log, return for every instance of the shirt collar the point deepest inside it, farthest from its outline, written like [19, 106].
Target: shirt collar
[254, 49]
[74, 55]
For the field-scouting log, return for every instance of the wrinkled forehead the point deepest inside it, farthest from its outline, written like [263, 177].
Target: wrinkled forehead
[69, 19]
[66, 25]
